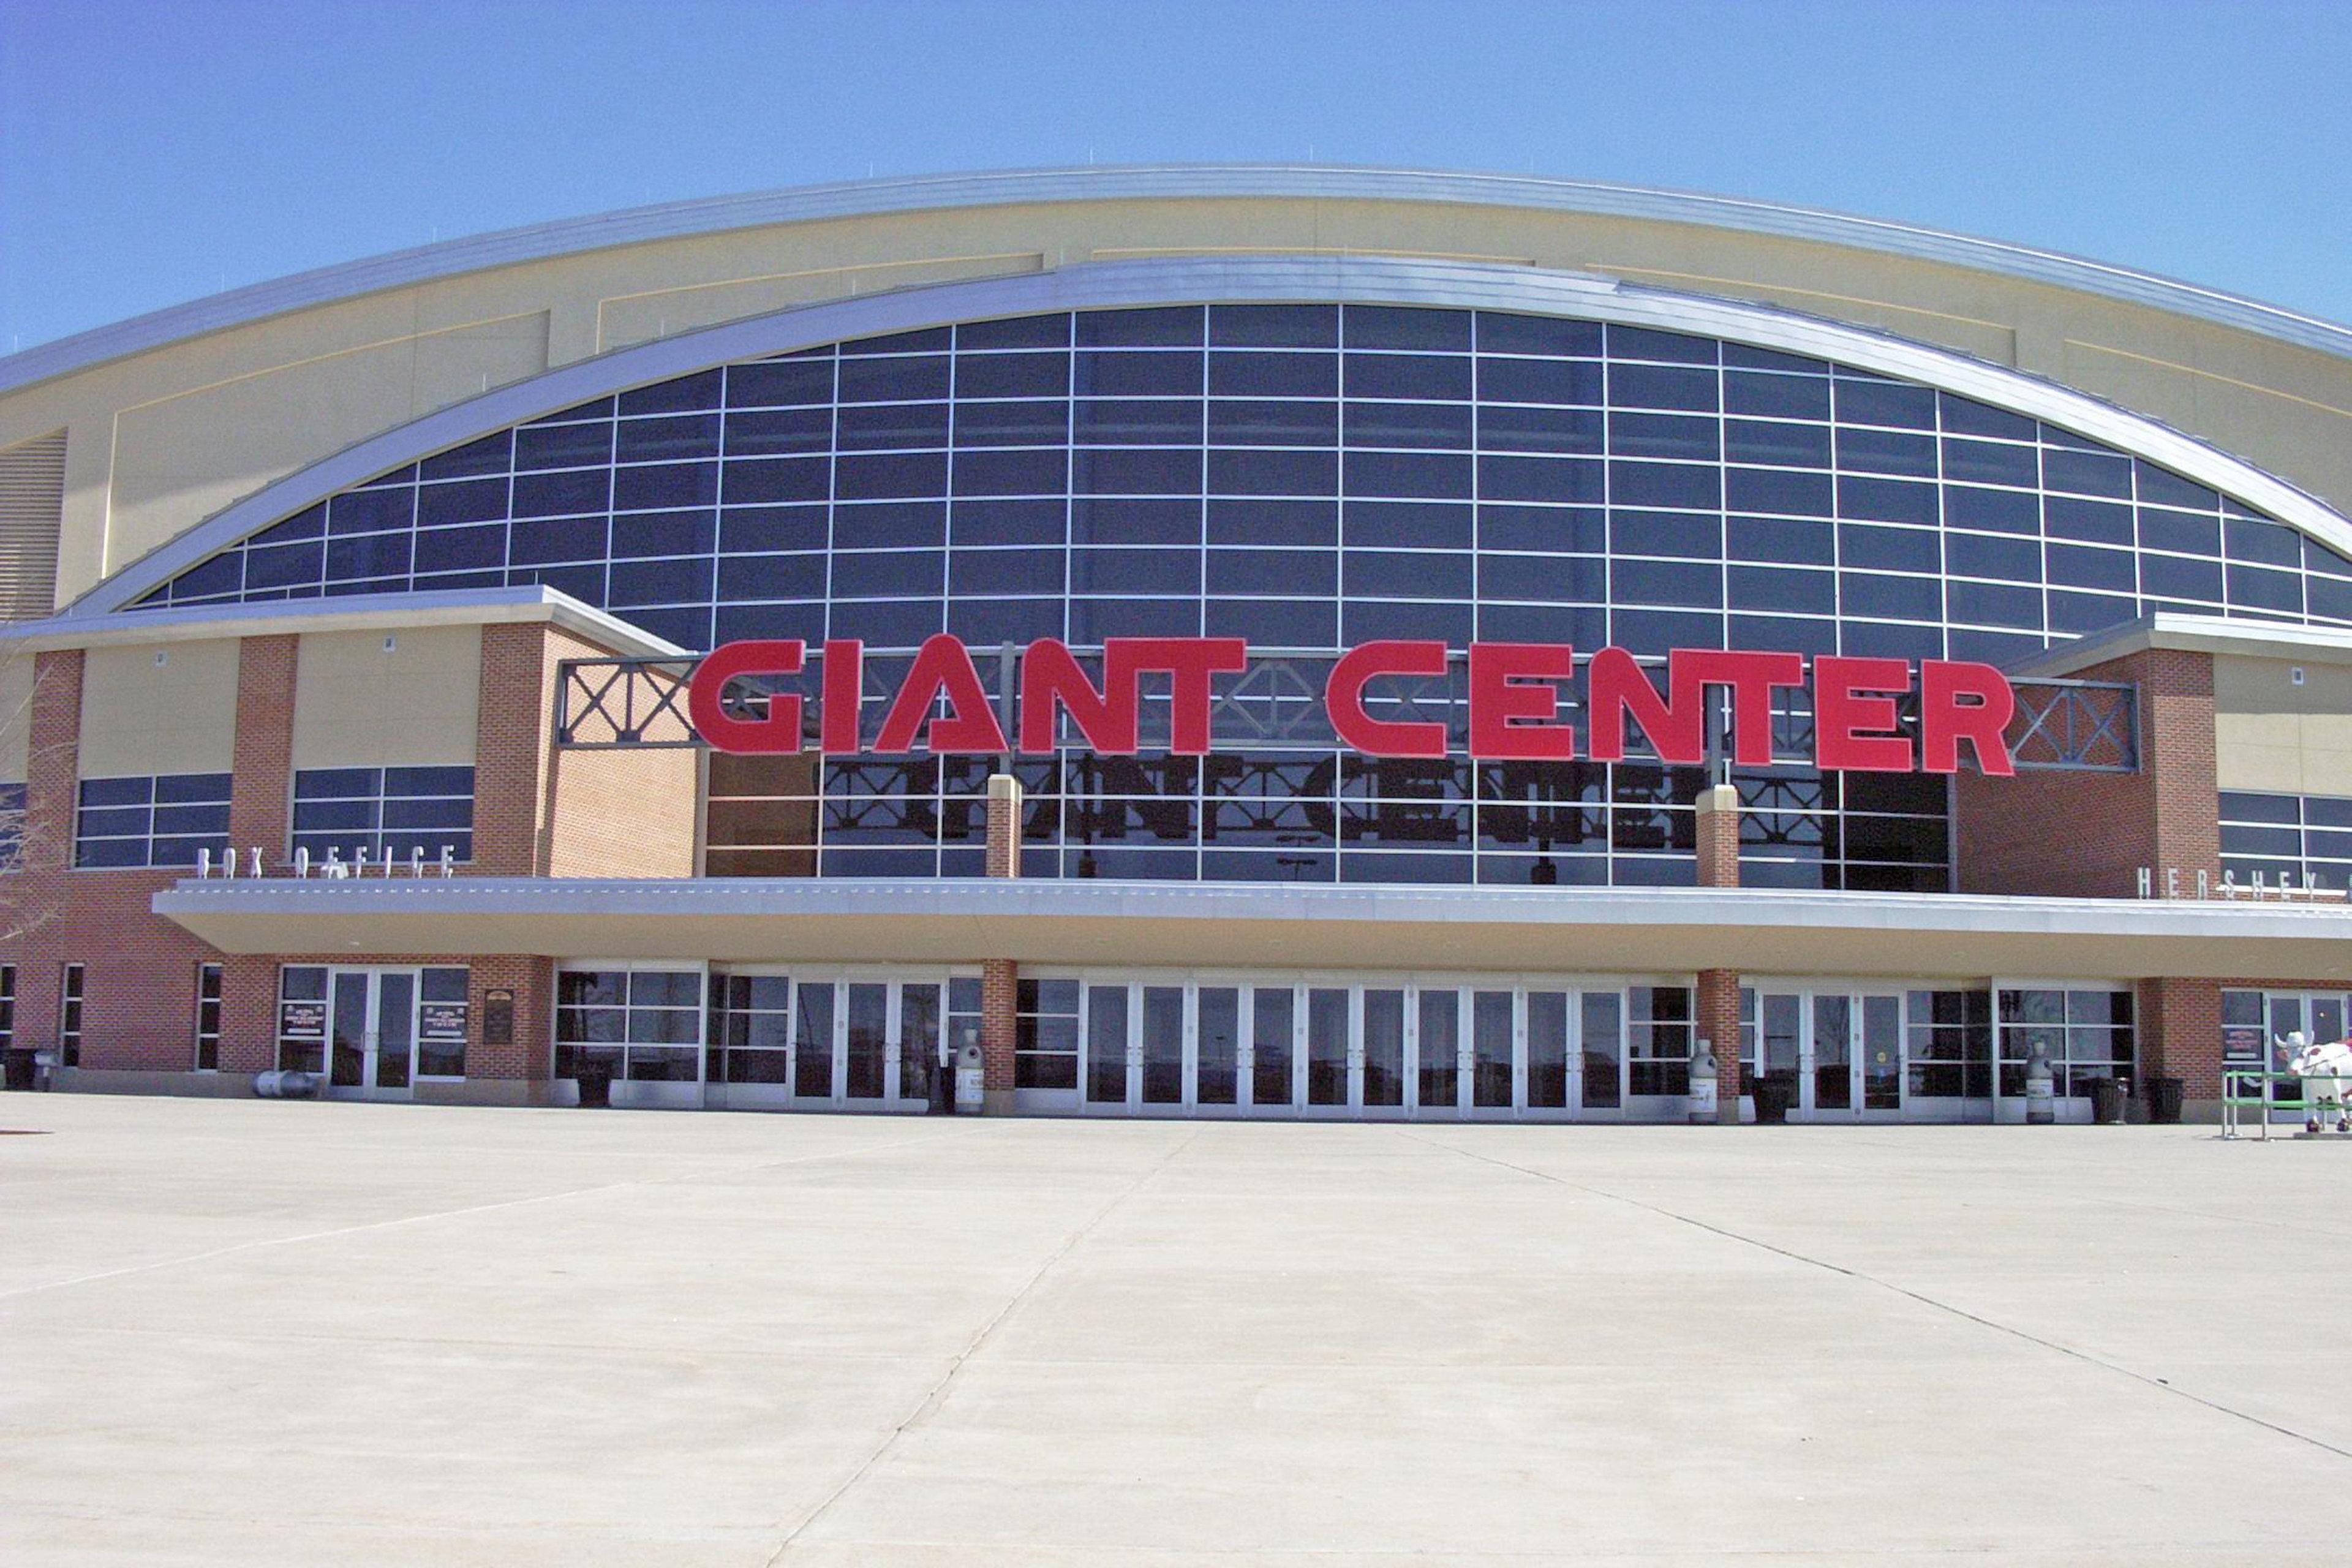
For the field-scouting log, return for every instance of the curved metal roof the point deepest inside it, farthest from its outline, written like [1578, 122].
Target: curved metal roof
[1396, 280]
[717, 215]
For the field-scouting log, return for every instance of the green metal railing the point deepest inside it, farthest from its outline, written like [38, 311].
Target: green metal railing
[2235, 1101]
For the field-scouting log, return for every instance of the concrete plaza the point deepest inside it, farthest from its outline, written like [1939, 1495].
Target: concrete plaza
[248, 1333]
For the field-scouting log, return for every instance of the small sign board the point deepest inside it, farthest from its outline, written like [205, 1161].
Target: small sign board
[2242, 1043]
[497, 1016]
[443, 1022]
[302, 1020]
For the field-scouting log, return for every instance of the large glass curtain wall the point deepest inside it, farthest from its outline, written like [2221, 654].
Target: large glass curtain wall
[1304, 476]
[1296, 808]
[1311, 476]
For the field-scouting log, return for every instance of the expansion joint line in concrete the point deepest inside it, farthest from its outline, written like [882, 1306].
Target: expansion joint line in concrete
[263, 1243]
[937, 1395]
[2159, 1385]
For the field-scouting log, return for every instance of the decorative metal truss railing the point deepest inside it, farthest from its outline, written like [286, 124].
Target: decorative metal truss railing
[2079, 726]
[1276, 705]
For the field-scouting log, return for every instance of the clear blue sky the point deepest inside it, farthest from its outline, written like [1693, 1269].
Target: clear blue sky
[152, 151]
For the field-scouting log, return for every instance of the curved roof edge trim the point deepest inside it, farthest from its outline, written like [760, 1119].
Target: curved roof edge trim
[719, 215]
[1384, 280]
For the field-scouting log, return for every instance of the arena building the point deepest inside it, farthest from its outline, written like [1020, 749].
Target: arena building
[1252, 641]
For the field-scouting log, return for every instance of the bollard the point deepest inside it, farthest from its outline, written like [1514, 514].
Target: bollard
[1703, 1083]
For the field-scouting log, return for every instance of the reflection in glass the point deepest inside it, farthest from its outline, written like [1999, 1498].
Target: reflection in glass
[1383, 1046]
[1439, 1046]
[1271, 1010]
[1326, 1046]
[1107, 1045]
[396, 1030]
[1832, 1053]
[347, 1067]
[869, 1019]
[1604, 1049]
[919, 1039]
[1548, 1050]
[1163, 1044]
[1490, 1043]
[1882, 1053]
[813, 1043]
[1218, 1032]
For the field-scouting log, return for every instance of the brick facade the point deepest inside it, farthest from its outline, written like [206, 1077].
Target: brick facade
[1717, 830]
[262, 791]
[1718, 1022]
[2088, 835]
[511, 754]
[537, 812]
[544, 812]
[1718, 989]
[2178, 1029]
[1000, 978]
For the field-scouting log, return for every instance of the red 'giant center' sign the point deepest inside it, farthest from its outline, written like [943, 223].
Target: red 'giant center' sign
[1515, 695]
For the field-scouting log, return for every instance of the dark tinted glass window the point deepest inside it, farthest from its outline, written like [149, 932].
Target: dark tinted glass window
[1304, 474]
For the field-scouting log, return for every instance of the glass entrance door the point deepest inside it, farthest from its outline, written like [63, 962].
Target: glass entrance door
[1845, 1050]
[1217, 1047]
[1163, 1046]
[1113, 1060]
[824, 1041]
[371, 1034]
[1881, 1056]
[1551, 1075]
[1831, 1077]
[1496, 1083]
[1437, 1051]
[1780, 1042]
[1204, 1049]
[1330, 1052]
[1377, 1080]
[1275, 1075]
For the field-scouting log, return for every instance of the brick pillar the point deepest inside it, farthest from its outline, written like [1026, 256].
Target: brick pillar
[2178, 1035]
[248, 1013]
[52, 767]
[1000, 987]
[260, 803]
[511, 775]
[1718, 1022]
[1718, 989]
[1719, 836]
[262, 787]
[529, 1057]
[1000, 978]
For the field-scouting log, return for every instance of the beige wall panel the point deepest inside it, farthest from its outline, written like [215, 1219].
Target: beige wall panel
[16, 715]
[171, 435]
[180, 459]
[639, 317]
[2273, 737]
[357, 705]
[2232, 413]
[142, 717]
[1986, 340]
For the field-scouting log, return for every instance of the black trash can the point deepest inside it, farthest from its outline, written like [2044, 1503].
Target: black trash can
[2163, 1100]
[16, 1069]
[2107, 1102]
[1775, 1093]
[595, 1077]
